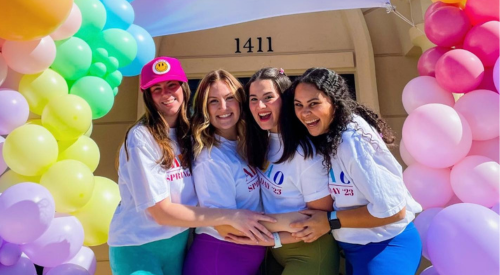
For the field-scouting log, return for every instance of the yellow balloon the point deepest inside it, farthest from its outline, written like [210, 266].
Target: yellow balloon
[30, 150]
[35, 121]
[24, 20]
[89, 131]
[11, 178]
[83, 149]
[67, 117]
[39, 88]
[96, 215]
[71, 184]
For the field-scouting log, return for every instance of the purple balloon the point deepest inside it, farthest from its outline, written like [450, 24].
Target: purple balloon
[23, 267]
[422, 223]
[84, 258]
[26, 211]
[429, 271]
[10, 254]
[14, 111]
[496, 208]
[65, 269]
[464, 239]
[58, 244]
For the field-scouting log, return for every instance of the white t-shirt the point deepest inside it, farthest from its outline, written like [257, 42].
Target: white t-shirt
[288, 186]
[224, 180]
[143, 183]
[364, 172]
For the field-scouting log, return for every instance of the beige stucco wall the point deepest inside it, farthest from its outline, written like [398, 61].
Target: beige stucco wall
[371, 44]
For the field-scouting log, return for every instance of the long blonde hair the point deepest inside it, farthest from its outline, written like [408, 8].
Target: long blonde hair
[203, 131]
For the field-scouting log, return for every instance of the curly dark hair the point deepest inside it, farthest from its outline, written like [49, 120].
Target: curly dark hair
[335, 87]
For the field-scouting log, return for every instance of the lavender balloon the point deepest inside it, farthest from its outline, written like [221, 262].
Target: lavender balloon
[84, 258]
[422, 223]
[14, 111]
[3, 165]
[464, 239]
[23, 267]
[64, 269]
[58, 244]
[10, 254]
[429, 271]
[26, 211]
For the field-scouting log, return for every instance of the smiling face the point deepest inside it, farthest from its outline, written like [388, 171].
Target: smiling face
[313, 108]
[168, 98]
[265, 104]
[223, 109]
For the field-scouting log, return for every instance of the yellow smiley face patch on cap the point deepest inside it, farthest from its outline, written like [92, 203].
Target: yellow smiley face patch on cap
[161, 67]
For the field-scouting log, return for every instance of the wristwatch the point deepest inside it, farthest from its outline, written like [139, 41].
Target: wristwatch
[333, 220]
[277, 240]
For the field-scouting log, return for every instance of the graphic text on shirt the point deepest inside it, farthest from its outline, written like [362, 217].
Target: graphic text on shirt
[345, 188]
[252, 179]
[176, 171]
[272, 179]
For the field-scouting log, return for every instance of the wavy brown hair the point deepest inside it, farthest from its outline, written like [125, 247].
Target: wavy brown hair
[157, 125]
[334, 87]
[203, 131]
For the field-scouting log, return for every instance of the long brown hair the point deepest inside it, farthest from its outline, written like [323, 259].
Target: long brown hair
[203, 131]
[159, 129]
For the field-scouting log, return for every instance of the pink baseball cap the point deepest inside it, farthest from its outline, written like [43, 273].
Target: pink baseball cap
[161, 69]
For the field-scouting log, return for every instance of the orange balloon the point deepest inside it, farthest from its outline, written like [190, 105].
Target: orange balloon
[23, 20]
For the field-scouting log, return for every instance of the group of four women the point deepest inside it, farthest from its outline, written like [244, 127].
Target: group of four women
[272, 166]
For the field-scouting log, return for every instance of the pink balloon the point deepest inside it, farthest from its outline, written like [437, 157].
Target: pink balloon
[459, 71]
[427, 61]
[65, 269]
[3, 69]
[480, 108]
[436, 136]
[14, 111]
[434, 6]
[3, 165]
[487, 83]
[429, 271]
[12, 80]
[23, 267]
[487, 148]
[85, 258]
[422, 223]
[60, 242]
[424, 90]
[70, 26]
[30, 57]
[463, 239]
[9, 254]
[447, 26]
[453, 200]
[496, 73]
[428, 186]
[480, 11]
[475, 179]
[482, 40]
[496, 208]
[405, 155]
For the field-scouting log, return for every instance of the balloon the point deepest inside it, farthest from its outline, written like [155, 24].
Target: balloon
[12, 80]
[487, 83]
[70, 26]
[60, 242]
[112, 64]
[422, 223]
[30, 150]
[480, 108]
[83, 149]
[496, 208]
[475, 179]
[100, 55]
[496, 72]
[73, 58]
[427, 61]
[39, 89]
[97, 69]
[429, 271]
[68, 269]
[89, 131]
[26, 211]
[3, 69]
[85, 258]
[454, 200]
[482, 40]
[96, 92]
[463, 239]
[70, 182]
[29, 57]
[433, 7]
[24, 20]
[480, 11]
[9, 254]
[93, 18]
[459, 71]
[146, 50]
[14, 111]
[447, 26]
[428, 186]
[120, 14]
[488, 148]
[3, 165]
[115, 91]
[11, 178]
[424, 90]
[114, 79]
[436, 136]
[96, 215]
[67, 117]
[23, 267]
[405, 156]
[119, 44]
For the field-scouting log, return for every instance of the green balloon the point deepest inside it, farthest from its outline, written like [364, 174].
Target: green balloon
[114, 79]
[119, 44]
[97, 69]
[115, 91]
[100, 55]
[93, 18]
[112, 64]
[96, 92]
[73, 58]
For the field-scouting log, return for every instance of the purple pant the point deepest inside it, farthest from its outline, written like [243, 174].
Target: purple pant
[210, 256]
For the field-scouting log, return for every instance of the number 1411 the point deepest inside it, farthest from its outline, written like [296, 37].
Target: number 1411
[249, 47]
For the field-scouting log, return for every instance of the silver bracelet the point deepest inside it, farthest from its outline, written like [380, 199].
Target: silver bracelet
[277, 240]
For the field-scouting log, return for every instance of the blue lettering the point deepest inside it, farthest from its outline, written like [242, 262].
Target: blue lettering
[342, 178]
[269, 171]
[278, 178]
[332, 176]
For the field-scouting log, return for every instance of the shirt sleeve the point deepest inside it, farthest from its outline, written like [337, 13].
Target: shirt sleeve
[375, 173]
[147, 179]
[314, 180]
[215, 185]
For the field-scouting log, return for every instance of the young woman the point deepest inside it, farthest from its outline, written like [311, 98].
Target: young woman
[372, 221]
[148, 233]
[287, 187]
